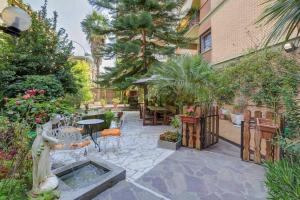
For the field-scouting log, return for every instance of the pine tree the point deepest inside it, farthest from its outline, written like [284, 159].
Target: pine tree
[144, 30]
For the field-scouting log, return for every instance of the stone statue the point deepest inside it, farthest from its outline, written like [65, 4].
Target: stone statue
[43, 179]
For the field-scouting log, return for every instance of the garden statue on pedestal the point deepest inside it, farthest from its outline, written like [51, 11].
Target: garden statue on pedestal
[43, 179]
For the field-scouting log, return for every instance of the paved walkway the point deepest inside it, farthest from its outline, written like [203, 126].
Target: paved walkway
[153, 173]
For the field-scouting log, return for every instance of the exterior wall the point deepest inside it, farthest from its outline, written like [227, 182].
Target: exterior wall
[204, 10]
[207, 55]
[234, 30]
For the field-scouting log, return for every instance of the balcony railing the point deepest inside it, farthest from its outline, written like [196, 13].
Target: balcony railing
[195, 19]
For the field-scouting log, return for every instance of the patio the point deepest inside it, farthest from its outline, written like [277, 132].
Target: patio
[154, 173]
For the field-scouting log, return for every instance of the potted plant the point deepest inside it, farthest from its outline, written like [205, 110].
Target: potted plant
[116, 102]
[189, 116]
[171, 139]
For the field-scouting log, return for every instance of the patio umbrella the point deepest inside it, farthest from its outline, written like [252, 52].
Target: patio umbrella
[144, 82]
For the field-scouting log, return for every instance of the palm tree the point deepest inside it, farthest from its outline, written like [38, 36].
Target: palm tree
[286, 15]
[187, 79]
[89, 25]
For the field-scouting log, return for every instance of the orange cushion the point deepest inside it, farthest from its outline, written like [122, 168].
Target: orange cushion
[57, 146]
[111, 132]
[71, 130]
[80, 144]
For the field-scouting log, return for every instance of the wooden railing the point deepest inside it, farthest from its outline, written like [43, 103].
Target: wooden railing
[265, 129]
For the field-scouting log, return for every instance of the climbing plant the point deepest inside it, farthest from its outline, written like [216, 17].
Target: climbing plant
[268, 78]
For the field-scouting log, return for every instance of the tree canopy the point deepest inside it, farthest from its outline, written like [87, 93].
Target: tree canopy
[39, 51]
[144, 31]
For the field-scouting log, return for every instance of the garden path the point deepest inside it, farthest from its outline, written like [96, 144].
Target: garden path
[154, 173]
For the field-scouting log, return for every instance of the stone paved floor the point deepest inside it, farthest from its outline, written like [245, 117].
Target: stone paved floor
[206, 175]
[154, 174]
[127, 191]
[138, 151]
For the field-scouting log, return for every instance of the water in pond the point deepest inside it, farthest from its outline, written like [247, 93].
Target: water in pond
[86, 175]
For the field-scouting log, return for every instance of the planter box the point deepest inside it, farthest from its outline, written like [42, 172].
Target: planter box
[169, 145]
[267, 128]
[189, 119]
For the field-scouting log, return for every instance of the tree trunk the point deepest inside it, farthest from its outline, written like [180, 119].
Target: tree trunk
[144, 42]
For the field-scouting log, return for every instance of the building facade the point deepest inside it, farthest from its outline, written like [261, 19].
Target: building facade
[227, 29]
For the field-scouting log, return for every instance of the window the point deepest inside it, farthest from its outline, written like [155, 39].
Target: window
[205, 42]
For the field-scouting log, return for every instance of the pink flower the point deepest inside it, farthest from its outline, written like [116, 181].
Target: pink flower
[26, 96]
[38, 120]
[190, 109]
[31, 92]
[41, 91]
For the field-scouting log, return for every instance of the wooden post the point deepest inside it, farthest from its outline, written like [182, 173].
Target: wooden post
[213, 125]
[217, 123]
[210, 126]
[246, 150]
[198, 132]
[270, 115]
[269, 150]
[191, 135]
[257, 114]
[257, 140]
[184, 143]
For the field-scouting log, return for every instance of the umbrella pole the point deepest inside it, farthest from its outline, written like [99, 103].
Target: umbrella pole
[145, 96]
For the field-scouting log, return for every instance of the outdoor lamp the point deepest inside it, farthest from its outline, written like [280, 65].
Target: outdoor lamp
[15, 20]
[289, 47]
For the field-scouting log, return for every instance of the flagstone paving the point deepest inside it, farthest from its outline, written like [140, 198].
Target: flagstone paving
[154, 173]
[189, 174]
[138, 152]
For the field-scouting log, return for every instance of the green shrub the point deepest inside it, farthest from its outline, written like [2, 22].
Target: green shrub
[108, 117]
[48, 83]
[169, 136]
[175, 122]
[283, 180]
[51, 195]
[12, 189]
[73, 100]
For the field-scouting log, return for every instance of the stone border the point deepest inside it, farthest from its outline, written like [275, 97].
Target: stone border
[115, 175]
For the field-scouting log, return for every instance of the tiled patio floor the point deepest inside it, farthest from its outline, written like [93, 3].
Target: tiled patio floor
[153, 173]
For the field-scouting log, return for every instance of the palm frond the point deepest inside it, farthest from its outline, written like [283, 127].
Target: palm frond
[285, 16]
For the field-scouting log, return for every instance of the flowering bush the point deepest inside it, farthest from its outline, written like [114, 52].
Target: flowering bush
[34, 108]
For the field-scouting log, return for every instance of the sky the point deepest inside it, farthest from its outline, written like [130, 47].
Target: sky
[70, 15]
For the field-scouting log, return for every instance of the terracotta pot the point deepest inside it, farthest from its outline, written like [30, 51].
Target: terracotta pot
[115, 105]
[189, 119]
[267, 128]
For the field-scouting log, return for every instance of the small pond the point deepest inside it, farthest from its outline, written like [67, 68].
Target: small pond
[84, 176]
